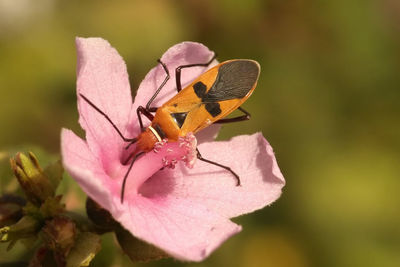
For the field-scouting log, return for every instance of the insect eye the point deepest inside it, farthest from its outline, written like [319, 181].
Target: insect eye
[179, 118]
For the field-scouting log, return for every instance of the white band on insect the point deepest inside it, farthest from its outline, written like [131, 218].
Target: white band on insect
[155, 133]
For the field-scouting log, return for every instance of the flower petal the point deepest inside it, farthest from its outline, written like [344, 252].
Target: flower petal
[208, 134]
[181, 227]
[185, 230]
[103, 79]
[86, 169]
[80, 163]
[250, 156]
[180, 54]
[186, 211]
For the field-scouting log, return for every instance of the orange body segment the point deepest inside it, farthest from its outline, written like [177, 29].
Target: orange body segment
[212, 96]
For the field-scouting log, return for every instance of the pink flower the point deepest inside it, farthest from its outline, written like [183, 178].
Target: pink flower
[185, 212]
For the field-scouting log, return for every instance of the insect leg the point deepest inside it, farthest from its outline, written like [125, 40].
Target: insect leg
[141, 110]
[131, 140]
[147, 112]
[200, 157]
[178, 71]
[161, 86]
[127, 173]
[177, 75]
[236, 119]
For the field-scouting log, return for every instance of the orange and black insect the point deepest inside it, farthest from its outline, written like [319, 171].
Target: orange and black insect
[208, 99]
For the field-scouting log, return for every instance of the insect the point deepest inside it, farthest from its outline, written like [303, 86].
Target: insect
[208, 99]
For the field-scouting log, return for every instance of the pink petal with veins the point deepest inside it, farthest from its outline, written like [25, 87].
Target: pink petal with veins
[250, 156]
[184, 228]
[103, 79]
[85, 168]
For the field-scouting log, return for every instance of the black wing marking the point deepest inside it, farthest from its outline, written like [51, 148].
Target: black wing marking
[200, 89]
[234, 80]
[213, 108]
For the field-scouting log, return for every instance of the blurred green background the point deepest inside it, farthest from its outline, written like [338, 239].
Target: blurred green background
[327, 101]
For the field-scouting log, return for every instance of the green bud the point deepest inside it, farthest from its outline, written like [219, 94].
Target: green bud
[26, 227]
[54, 172]
[51, 207]
[31, 177]
[59, 236]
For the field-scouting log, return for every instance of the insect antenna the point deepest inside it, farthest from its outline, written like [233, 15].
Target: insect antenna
[131, 143]
[131, 140]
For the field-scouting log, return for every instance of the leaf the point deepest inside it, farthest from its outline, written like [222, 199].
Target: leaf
[54, 172]
[86, 247]
[137, 250]
[100, 217]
